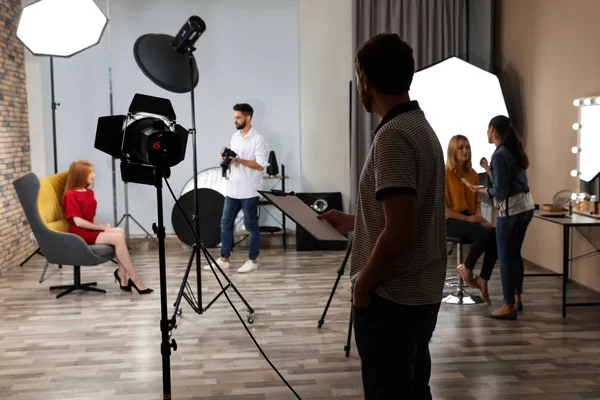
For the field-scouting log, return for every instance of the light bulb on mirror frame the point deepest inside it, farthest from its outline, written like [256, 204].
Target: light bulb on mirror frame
[575, 149]
[587, 101]
[574, 173]
[576, 126]
[597, 101]
[576, 102]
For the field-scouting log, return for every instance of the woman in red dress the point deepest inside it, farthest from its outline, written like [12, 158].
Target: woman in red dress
[79, 205]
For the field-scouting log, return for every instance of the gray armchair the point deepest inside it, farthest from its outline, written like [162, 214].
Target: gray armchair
[59, 247]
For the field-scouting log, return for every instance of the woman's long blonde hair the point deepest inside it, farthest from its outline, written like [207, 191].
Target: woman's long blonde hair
[79, 171]
[451, 161]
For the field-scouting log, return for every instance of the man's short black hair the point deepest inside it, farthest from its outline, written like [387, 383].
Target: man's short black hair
[244, 108]
[387, 62]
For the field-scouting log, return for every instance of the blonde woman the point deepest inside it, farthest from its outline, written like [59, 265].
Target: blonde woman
[463, 216]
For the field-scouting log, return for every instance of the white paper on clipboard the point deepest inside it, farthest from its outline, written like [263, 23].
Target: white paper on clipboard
[303, 215]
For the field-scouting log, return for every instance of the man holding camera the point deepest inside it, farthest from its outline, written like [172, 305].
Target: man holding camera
[246, 177]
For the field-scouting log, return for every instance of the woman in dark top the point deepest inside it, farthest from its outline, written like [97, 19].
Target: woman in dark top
[79, 205]
[515, 209]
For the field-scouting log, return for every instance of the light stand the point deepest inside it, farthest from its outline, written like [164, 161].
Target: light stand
[196, 304]
[53, 105]
[149, 142]
[166, 325]
[47, 29]
[169, 62]
[195, 217]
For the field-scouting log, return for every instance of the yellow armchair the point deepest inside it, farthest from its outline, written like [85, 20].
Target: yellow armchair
[49, 201]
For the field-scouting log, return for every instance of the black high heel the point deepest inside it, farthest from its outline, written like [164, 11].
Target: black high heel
[117, 278]
[145, 291]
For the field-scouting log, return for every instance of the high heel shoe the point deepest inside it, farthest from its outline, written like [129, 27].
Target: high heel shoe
[145, 291]
[118, 279]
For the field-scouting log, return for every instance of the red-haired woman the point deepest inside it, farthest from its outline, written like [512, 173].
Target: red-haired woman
[79, 205]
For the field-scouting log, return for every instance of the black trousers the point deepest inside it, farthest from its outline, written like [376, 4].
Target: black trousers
[393, 344]
[484, 241]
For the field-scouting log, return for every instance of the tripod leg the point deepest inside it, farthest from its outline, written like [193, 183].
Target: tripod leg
[148, 235]
[211, 260]
[347, 347]
[191, 301]
[337, 281]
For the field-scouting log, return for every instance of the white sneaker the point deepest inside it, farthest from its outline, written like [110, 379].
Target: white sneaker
[222, 264]
[248, 266]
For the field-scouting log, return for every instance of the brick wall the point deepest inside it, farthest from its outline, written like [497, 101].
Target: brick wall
[15, 158]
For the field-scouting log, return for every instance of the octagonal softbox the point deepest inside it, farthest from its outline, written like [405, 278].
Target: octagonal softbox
[460, 98]
[61, 28]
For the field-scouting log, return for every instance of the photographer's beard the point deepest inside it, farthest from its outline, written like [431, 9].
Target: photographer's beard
[242, 125]
[366, 99]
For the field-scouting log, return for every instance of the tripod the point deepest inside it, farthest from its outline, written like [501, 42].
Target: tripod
[128, 216]
[335, 285]
[196, 304]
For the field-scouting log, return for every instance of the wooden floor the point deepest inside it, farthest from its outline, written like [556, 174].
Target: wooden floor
[94, 346]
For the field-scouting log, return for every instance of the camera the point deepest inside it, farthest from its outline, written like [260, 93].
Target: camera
[226, 160]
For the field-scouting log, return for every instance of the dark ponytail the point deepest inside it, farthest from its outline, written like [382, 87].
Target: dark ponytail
[510, 139]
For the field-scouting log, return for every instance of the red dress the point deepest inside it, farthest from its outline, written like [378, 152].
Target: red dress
[82, 205]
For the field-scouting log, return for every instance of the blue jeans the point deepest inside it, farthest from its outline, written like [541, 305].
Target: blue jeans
[393, 345]
[230, 210]
[510, 233]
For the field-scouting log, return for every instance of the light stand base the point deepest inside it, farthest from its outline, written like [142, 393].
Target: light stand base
[461, 297]
[191, 299]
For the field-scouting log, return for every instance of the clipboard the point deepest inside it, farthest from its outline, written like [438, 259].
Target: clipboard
[301, 213]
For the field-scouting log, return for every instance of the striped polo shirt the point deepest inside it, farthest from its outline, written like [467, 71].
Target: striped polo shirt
[405, 157]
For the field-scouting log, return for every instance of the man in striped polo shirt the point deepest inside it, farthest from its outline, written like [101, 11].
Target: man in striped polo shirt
[398, 258]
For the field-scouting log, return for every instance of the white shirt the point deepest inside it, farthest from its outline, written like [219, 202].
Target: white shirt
[245, 181]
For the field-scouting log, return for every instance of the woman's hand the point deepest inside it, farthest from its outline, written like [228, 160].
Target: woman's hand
[484, 164]
[342, 222]
[478, 219]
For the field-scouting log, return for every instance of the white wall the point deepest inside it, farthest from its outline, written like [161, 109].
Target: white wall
[249, 53]
[325, 70]
[37, 70]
